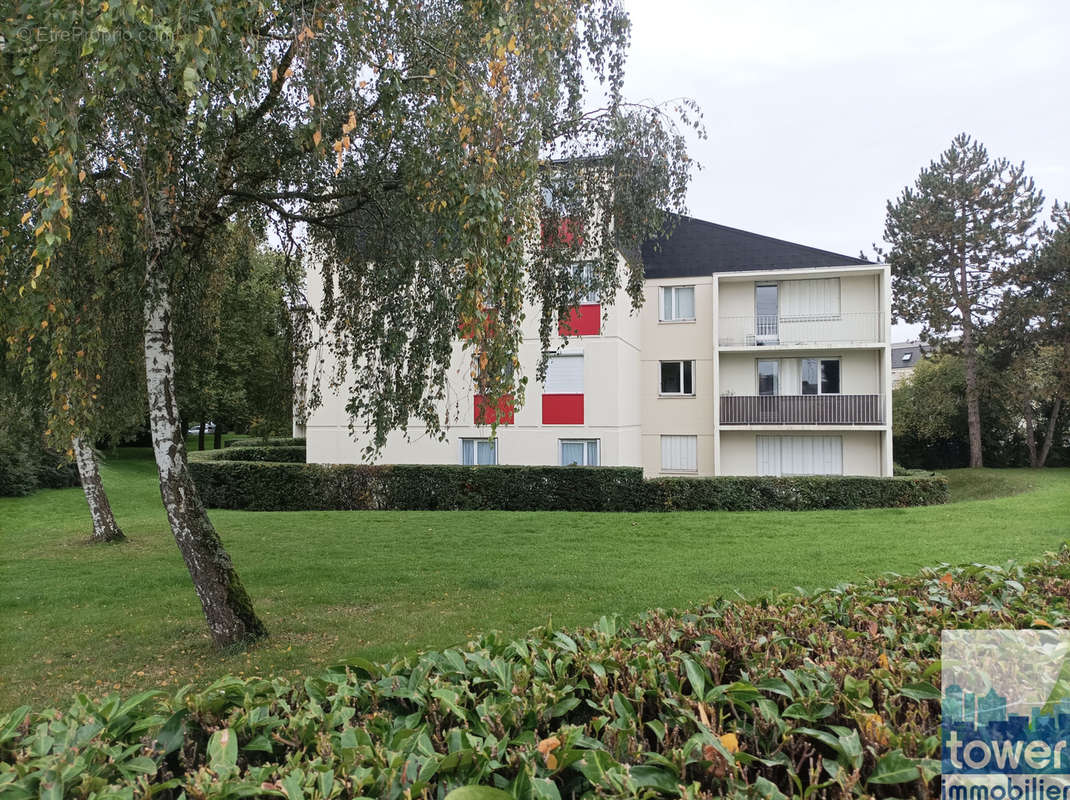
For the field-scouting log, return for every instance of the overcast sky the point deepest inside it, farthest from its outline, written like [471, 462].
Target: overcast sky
[818, 112]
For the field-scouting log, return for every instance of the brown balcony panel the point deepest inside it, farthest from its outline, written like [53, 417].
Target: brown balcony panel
[803, 409]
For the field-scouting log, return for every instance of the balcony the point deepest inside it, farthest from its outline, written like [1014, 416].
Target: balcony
[803, 409]
[864, 327]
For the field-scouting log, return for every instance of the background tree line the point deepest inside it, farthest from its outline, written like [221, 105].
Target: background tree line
[990, 285]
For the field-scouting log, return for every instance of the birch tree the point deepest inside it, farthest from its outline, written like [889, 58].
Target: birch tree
[954, 237]
[417, 130]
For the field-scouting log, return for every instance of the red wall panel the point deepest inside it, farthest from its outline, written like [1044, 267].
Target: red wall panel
[562, 409]
[583, 321]
[484, 414]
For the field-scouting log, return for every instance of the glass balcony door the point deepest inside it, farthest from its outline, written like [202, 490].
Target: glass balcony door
[766, 313]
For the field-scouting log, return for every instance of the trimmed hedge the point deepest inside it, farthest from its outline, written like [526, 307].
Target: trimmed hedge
[278, 441]
[259, 485]
[275, 453]
[798, 493]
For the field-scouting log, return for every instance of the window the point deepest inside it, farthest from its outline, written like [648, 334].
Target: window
[678, 377]
[768, 377]
[564, 374]
[679, 453]
[907, 356]
[812, 299]
[579, 453]
[677, 303]
[562, 391]
[584, 274]
[766, 311]
[479, 452]
[799, 455]
[820, 375]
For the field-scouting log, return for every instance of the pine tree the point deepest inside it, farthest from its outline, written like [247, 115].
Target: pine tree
[955, 238]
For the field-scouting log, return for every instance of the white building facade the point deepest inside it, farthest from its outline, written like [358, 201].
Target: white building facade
[750, 356]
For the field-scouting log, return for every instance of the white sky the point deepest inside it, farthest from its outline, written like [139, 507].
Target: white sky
[819, 112]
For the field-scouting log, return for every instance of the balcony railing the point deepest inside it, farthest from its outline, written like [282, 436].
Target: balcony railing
[803, 409]
[863, 327]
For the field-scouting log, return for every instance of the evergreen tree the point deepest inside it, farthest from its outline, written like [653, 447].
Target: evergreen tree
[955, 237]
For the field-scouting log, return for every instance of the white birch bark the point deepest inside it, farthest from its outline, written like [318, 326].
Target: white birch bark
[105, 528]
[226, 605]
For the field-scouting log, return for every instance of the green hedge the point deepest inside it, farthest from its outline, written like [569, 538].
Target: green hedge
[277, 441]
[285, 454]
[259, 485]
[799, 493]
[834, 694]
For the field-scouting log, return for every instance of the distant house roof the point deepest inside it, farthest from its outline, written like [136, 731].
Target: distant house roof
[906, 354]
[697, 247]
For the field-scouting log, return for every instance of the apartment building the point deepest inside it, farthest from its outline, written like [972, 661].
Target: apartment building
[750, 356]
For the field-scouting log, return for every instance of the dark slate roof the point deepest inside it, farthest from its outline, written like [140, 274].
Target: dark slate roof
[915, 350]
[697, 247]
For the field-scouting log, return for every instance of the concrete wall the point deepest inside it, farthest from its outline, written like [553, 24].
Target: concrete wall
[677, 341]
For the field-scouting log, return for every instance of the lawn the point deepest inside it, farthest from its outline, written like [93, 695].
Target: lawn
[331, 585]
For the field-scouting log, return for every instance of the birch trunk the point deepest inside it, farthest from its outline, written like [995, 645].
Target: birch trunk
[227, 607]
[1049, 434]
[105, 528]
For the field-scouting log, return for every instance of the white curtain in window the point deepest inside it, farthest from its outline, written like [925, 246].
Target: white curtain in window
[478, 452]
[685, 302]
[572, 453]
[799, 455]
[811, 298]
[679, 453]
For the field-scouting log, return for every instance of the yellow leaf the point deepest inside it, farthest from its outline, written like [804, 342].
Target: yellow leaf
[311, 100]
[25, 217]
[729, 742]
[103, 7]
[511, 47]
[1041, 623]
[316, 138]
[882, 659]
[81, 175]
[54, 375]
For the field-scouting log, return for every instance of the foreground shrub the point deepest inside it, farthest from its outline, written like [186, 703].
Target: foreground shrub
[257, 482]
[834, 694]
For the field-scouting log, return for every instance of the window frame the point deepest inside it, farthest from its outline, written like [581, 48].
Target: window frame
[475, 450]
[758, 377]
[586, 451]
[681, 393]
[820, 375]
[675, 305]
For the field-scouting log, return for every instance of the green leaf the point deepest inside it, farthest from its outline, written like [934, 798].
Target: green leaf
[920, 691]
[894, 767]
[189, 80]
[478, 793]
[223, 751]
[695, 676]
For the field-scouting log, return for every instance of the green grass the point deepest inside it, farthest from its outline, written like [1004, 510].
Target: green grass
[335, 584]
